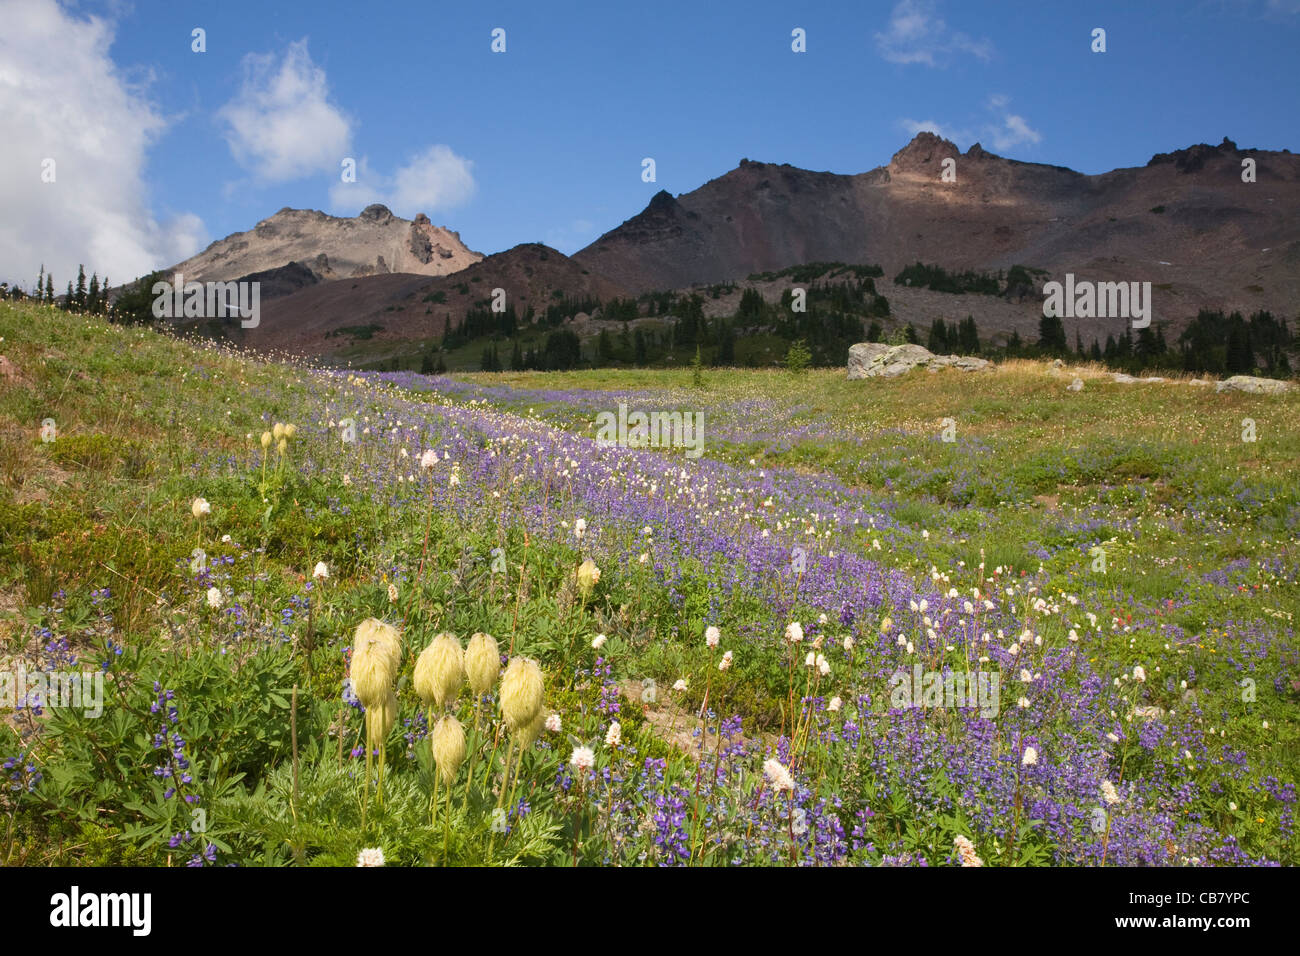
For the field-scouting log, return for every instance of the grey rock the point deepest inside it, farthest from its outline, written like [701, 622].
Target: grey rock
[878, 360]
[1250, 383]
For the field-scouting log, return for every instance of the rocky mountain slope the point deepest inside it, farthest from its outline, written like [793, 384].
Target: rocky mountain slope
[1185, 222]
[374, 243]
[408, 307]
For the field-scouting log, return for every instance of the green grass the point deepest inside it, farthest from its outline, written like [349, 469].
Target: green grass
[145, 423]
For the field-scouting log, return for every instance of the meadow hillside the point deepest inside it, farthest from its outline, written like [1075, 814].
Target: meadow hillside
[290, 623]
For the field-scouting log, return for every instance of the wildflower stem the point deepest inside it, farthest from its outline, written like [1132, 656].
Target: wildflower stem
[365, 793]
[446, 825]
[433, 800]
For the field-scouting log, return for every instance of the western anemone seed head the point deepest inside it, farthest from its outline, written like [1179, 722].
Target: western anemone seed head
[521, 693]
[448, 747]
[482, 663]
[440, 670]
[376, 657]
[321, 571]
[290, 431]
[200, 507]
[588, 575]
[527, 736]
[282, 445]
[277, 431]
[267, 439]
[383, 715]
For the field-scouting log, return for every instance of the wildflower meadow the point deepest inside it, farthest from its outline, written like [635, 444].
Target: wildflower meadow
[255, 613]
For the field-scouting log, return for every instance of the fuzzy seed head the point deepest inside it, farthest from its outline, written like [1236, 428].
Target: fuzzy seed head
[588, 576]
[521, 693]
[527, 736]
[482, 663]
[440, 671]
[381, 717]
[448, 747]
[376, 658]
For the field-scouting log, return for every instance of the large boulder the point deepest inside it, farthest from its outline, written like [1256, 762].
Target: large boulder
[878, 360]
[1249, 383]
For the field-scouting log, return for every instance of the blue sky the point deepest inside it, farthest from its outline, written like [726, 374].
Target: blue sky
[545, 141]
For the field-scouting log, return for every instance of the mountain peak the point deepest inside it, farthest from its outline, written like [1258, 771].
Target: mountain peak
[924, 149]
[334, 247]
[662, 201]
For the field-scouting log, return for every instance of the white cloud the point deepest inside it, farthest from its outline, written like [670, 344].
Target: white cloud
[1007, 131]
[435, 178]
[917, 34]
[1010, 130]
[1014, 131]
[63, 98]
[281, 124]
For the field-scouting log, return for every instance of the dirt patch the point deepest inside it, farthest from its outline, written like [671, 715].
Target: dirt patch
[676, 725]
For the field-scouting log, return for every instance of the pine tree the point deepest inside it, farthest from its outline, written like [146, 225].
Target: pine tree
[49, 289]
[79, 303]
[1126, 344]
[726, 354]
[1241, 357]
[969, 336]
[92, 296]
[938, 342]
[1051, 335]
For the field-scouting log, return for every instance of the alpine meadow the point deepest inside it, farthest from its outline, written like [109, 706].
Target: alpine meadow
[891, 501]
